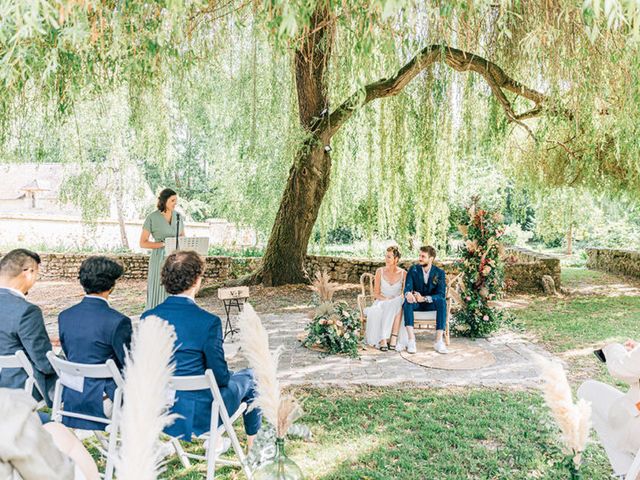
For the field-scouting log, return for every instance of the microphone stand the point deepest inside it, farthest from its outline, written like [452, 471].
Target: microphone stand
[177, 229]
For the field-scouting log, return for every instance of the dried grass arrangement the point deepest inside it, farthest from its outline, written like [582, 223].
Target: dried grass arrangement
[279, 410]
[145, 414]
[323, 286]
[573, 419]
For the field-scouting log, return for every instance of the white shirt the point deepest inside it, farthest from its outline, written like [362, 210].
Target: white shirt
[184, 295]
[15, 292]
[426, 274]
[98, 297]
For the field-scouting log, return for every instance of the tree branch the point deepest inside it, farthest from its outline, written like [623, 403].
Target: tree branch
[456, 59]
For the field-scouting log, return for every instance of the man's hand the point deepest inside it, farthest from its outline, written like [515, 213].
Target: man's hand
[419, 298]
[410, 297]
[630, 344]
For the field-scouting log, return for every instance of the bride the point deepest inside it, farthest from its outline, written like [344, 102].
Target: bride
[387, 308]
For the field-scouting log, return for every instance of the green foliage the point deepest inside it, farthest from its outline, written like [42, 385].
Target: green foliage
[483, 272]
[334, 329]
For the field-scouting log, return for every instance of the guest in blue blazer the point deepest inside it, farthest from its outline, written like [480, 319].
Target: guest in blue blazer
[92, 332]
[22, 324]
[198, 348]
[425, 290]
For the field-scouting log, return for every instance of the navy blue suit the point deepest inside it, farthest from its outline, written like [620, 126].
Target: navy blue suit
[92, 332]
[198, 348]
[436, 288]
[22, 328]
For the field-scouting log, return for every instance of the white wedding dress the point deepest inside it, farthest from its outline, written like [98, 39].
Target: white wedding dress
[381, 314]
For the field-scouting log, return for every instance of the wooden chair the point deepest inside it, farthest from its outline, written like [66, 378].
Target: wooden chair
[365, 299]
[422, 320]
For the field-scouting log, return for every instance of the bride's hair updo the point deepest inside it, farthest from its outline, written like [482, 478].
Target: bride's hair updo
[394, 250]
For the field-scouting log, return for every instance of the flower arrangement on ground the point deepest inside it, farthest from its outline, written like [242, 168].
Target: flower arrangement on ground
[334, 327]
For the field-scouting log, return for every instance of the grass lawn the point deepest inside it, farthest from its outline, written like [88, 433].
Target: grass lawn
[425, 434]
[564, 324]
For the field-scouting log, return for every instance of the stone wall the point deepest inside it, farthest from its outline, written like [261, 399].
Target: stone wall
[66, 265]
[523, 271]
[624, 262]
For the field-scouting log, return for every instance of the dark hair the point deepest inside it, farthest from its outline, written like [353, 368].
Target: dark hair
[17, 261]
[181, 270]
[99, 274]
[429, 250]
[393, 249]
[165, 195]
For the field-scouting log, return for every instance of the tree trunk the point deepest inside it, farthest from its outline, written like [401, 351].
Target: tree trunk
[309, 176]
[120, 214]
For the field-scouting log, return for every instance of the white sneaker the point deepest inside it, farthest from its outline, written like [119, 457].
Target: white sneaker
[411, 347]
[440, 347]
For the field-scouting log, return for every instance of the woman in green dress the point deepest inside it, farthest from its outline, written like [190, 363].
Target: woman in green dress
[161, 224]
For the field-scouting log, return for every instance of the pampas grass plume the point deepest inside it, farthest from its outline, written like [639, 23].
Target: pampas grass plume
[144, 415]
[573, 419]
[323, 286]
[279, 411]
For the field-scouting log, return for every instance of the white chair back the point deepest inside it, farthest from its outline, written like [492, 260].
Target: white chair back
[68, 374]
[20, 360]
[218, 409]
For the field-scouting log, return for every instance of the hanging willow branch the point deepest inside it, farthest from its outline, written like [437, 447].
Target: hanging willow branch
[459, 60]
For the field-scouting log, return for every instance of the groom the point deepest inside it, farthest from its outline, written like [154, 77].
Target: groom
[424, 291]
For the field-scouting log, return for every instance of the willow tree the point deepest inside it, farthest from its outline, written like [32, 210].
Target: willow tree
[314, 48]
[529, 55]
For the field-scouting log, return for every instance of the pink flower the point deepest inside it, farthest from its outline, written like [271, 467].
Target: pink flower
[486, 270]
[468, 299]
[485, 318]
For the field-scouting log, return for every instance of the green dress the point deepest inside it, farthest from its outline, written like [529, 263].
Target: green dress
[160, 229]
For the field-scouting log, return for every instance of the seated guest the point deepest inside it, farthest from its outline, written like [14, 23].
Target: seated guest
[616, 415]
[425, 290]
[36, 451]
[198, 348]
[92, 332]
[22, 324]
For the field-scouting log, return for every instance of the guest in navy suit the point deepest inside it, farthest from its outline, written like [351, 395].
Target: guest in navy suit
[425, 290]
[198, 348]
[22, 324]
[92, 332]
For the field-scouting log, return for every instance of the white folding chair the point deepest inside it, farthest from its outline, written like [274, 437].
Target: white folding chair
[634, 469]
[69, 372]
[218, 409]
[20, 360]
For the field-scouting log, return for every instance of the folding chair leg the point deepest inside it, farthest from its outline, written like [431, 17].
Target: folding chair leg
[111, 453]
[213, 444]
[180, 452]
[236, 447]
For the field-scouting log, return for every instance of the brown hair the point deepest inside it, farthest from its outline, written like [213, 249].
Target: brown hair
[394, 250]
[429, 250]
[18, 260]
[181, 270]
[165, 195]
